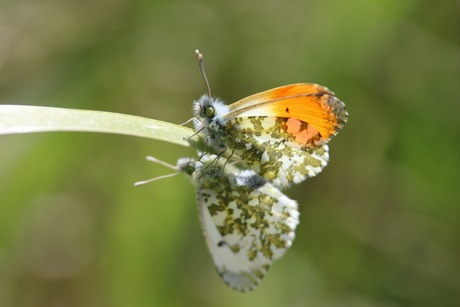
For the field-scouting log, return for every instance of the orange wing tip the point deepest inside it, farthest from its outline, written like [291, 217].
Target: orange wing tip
[321, 110]
[339, 115]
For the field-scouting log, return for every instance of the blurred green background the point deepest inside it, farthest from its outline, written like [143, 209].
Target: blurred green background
[379, 226]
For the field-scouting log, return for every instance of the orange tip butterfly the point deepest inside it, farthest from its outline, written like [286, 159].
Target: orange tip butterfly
[281, 133]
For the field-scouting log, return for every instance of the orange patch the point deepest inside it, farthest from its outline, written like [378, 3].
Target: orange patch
[302, 132]
[309, 109]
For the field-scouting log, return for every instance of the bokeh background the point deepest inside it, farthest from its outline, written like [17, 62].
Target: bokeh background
[379, 226]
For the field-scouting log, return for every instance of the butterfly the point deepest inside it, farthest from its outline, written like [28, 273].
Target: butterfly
[247, 222]
[281, 133]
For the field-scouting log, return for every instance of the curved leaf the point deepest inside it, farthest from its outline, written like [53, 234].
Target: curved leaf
[29, 119]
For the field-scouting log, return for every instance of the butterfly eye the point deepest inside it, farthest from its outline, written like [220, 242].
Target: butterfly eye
[189, 169]
[210, 111]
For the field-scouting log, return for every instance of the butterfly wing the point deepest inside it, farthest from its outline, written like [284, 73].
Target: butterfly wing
[267, 146]
[282, 133]
[247, 223]
[309, 103]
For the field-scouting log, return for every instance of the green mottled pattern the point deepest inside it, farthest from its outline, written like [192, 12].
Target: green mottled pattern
[264, 144]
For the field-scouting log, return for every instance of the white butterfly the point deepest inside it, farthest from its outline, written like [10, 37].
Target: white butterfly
[247, 222]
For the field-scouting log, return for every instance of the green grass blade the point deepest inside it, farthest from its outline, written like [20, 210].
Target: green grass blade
[28, 119]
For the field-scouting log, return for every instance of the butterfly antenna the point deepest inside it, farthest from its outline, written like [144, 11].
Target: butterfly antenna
[139, 183]
[158, 161]
[155, 160]
[199, 57]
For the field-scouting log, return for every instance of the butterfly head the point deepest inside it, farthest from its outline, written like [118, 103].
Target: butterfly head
[187, 165]
[210, 113]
